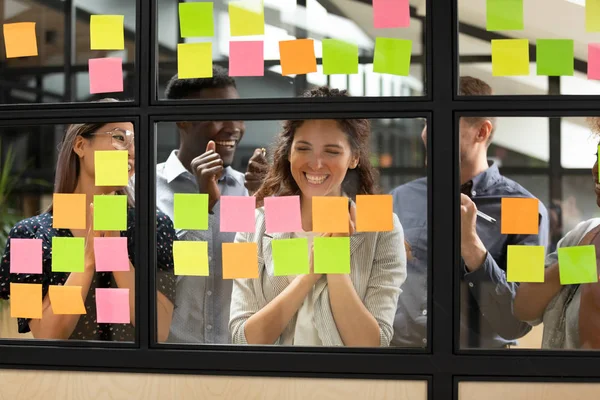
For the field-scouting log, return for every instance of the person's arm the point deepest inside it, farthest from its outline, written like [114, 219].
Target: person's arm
[532, 299]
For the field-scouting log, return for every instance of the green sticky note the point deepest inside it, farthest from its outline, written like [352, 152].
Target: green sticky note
[339, 57]
[191, 211]
[246, 18]
[111, 168]
[196, 19]
[555, 57]
[194, 60]
[68, 254]
[577, 265]
[290, 257]
[592, 15]
[510, 57]
[331, 255]
[110, 213]
[107, 32]
[190, 258]
[392, 56]
[504, 15]
[525, 264]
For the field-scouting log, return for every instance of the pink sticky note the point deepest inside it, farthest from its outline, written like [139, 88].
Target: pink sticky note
[111, 254]
[391, 14]
[594, 61]
[112, 306]
[282, 214]
[246, 58]
[25, 256]
[106, 75]
[237, 213]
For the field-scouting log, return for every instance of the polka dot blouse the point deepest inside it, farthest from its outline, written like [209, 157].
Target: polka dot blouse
[40, 227]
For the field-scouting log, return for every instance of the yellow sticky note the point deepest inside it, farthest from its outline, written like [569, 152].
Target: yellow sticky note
[510, 57]
[194, 60]
[20, 40]
[525, 263]
[592, 15]
[26, 300]
[247, 18]
[107, 32]
[190, 258]
[66, 300]
[111, 167]
[330, 214]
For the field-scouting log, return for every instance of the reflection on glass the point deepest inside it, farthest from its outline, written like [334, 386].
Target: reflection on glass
[237, 158]
[68, 272]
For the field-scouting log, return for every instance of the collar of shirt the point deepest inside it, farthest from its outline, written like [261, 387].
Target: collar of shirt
[482, 181]
[174, 169]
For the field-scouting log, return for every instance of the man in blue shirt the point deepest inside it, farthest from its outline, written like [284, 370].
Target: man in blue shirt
[202, 164]
[486, 297]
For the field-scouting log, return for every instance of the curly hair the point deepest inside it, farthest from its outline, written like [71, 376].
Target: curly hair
[361, 180]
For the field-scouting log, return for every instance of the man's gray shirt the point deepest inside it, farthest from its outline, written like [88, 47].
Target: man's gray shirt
[486, 299]
[202, 303]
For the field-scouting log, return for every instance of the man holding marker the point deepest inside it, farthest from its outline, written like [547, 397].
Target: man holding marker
[486, 298]
[202, 164]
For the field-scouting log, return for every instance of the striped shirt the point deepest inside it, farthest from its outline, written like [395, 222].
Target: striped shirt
[378, 270]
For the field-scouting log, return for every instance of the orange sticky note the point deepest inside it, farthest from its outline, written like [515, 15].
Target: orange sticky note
[20, 40]
[374, 213]
[330, 214]
[297, 56]
[240, 260]
[26, 300]
[66, 300]
[519, 216]
[69, 211]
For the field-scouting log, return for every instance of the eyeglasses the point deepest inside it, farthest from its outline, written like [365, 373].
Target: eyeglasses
[121, 139]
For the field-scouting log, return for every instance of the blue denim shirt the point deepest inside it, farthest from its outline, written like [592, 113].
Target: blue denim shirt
[486, 297]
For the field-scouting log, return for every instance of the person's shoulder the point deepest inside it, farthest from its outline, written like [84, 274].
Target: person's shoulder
[28, 227]
[515, 188]
[575, 235]
[414, 185]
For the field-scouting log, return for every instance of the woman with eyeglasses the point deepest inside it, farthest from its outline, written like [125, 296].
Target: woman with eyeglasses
[75, 173]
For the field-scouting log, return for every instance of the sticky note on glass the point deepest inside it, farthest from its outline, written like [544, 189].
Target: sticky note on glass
[519, 216]
[391, 14]
[504, 15]
[282, 214]
[106, 75]
[107, 32]
[26, 300]
[330, 214]
[110, 213]
[510, 57]
[592, 15]
[593, 64]
[191, 211]
[339, 57]
[111, 254]
[112, 306]
[237, 213]
[196, 19]
[69, 211]
[66, 300]
[577, 265]
[331, 255]
[111, 168]
[297, 56]
[290, 257]
[246, 58]
[68, 254]
[25, 256]
[194, 60]
[190, 258]
[20, 40]
[240, 260]
[392, 56]
[525, 263]
[555, 57]
[246, 18]
[374, 213]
